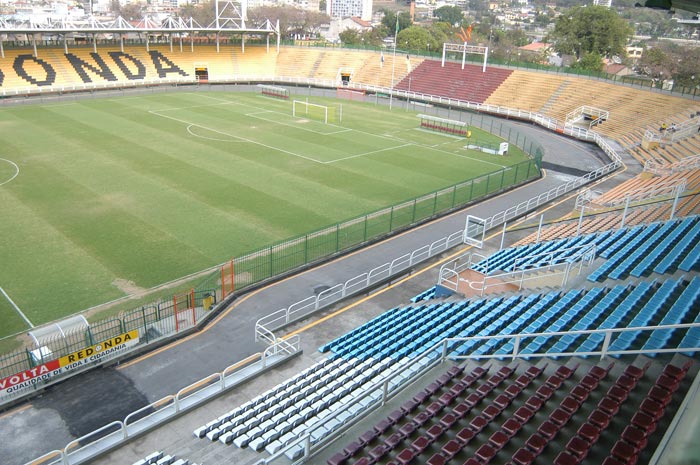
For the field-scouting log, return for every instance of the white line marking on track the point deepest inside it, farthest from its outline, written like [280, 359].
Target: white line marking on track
[14, 175]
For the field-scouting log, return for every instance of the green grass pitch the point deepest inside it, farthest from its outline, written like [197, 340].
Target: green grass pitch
[100, 197]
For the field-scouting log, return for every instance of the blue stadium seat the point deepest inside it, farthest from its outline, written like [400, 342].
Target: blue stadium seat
[688, 300]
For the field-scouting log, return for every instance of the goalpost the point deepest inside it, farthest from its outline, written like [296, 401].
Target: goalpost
[324, 113]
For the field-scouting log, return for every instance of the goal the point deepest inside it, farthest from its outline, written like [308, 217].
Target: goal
[324, 113]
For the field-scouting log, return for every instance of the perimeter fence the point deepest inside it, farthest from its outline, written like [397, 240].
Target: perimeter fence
[181, 312]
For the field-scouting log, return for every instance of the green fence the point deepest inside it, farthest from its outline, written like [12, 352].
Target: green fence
[158, 319]
[291, 254]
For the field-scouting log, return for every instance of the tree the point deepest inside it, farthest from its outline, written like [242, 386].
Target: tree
[389, 20]
[449, 14]
[292, 20]
[350, 37]
[322, 5]
[590, 29]
[130, 11]
[374, 37]
[203, 12]
[656, 63]
[590, 61]
[414, 38]
[668, 60]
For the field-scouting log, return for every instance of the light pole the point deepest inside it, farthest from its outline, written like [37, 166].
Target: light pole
[393, 67]
[408, 95]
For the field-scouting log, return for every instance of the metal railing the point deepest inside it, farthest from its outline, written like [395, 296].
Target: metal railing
[548, 265]
[665, 169]
[264, 326]
[383, 390]
[138, 422]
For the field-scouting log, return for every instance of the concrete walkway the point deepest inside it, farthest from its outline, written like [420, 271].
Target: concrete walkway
[84, 403]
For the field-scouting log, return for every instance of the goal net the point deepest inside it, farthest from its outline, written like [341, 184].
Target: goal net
[313, 111]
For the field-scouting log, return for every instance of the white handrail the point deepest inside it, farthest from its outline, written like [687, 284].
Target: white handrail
[382, 386]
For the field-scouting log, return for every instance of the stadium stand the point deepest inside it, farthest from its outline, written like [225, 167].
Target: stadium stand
[255, 61]
[525, 90]
[562, 410]
[382, 346]
[160, 458]
[296, 62]
[518, 413]
[330, 64]
[469, 84]
[380, 70]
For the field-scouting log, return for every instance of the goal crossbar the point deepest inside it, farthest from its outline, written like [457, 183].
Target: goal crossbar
[464, 49]
[314, 110]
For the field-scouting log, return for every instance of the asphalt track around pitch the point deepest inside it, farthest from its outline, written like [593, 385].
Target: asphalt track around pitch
[86, 402]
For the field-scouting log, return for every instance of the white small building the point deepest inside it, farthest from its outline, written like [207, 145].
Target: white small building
[350, 8]
[338, 25]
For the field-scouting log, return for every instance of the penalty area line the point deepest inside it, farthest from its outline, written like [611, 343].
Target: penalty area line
[243, 139]
[14, 305]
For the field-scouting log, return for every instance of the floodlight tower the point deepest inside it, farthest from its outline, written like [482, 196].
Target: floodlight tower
[231, 14]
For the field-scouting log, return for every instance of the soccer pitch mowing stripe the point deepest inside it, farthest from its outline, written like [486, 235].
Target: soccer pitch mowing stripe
[102, 198]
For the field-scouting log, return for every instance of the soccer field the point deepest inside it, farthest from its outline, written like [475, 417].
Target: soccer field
[103, 197]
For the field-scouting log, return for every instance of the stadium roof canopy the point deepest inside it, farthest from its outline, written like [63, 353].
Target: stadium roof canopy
[122, 26]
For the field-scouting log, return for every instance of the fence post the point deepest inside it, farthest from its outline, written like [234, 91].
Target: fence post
[413, 218]
[391, 218]
[91, 341]
[454, 195]
[145, 329]
[366, 219]
[306, 249]
[337, 237]
[606, 344]
[270, 253]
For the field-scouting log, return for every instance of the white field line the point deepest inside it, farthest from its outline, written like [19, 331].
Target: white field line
[24, 317]
[255, 115]
[14, 175]
[435, 133]
[156, 113]
[189, 130]
[193, 106]
[243, 139]
[369, 153]
[435, 147]
[388, 137]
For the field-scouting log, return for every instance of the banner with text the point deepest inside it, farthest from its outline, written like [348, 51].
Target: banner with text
[44, 372]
